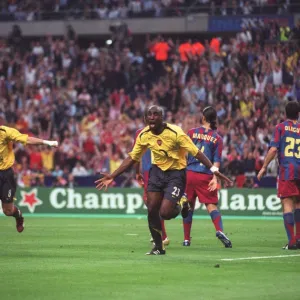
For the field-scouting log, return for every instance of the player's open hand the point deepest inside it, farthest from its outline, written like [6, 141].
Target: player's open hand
[104, 182]
[261, 173]
[140, 179]
[53, 144]
[213, 184]
[221, 176]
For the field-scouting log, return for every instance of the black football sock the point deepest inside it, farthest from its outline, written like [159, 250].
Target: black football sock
[155, 228]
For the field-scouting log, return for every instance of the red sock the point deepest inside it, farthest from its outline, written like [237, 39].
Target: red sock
[216, 218]
[16, 213]
[163, 228]
[187, 231]
[187, 225]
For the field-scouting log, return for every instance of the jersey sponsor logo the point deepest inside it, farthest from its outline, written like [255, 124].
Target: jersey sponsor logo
[30, 199]
[159, 142]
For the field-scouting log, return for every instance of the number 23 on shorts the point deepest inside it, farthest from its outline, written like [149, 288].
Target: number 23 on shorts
[176, 191]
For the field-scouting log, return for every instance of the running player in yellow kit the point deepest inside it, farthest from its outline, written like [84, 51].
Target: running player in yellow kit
[167, 177]
[8, 183]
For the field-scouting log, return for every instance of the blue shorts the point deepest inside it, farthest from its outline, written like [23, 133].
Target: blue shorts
[171, 183]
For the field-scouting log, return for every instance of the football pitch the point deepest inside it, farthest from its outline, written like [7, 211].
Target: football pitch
[104, 258]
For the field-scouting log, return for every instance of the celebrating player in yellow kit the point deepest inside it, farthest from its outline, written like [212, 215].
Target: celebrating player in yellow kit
[167, 177]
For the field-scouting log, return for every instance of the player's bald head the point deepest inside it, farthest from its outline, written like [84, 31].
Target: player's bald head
[154, 118]
[155, 108]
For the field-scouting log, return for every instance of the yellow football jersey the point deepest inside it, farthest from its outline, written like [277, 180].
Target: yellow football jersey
[7, 137]
[168, 149]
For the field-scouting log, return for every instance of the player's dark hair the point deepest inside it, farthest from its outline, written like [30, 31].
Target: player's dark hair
[210, 115]
[292, 110]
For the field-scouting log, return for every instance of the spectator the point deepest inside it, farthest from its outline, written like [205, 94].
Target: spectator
[93, 99]
[249, 162]
[30, 74]
[114, 13]
[223, 9]
[115, 162]
[135, 6]
[57, 172]
[38, 49]
[71, 181]
[93, 51]
[216, 64]
[236, 168]
[80, 9]
[47, 159]
[246, 8]
[79, 170]
[60, 182]
[102, 11]
[89, 145]
[35, 159]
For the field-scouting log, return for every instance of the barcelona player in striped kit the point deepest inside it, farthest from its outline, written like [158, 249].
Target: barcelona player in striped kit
[142, 176]
[285, 144]
[201, 182]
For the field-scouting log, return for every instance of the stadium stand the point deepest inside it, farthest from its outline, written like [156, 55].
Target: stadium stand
[19, 10]
[92, 98]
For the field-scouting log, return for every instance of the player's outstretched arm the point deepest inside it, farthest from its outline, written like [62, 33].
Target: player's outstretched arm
[270, 156]
[138, 175]
[215, 170]
[36, 141]
[107, 179]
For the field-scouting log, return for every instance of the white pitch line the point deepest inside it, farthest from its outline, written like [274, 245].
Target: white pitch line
[258, 257]
[131, 234]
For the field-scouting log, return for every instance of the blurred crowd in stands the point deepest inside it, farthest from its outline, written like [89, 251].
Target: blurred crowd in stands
[29, 10]
[93, 99]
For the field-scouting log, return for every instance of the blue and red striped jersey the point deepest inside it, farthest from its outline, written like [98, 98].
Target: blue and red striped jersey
[210, 143]
[286, 138]
[146, 159]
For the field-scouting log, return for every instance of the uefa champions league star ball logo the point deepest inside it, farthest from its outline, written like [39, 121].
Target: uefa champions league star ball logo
[30, 200]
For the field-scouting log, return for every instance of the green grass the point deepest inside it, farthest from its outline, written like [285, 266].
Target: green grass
[82, 258]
